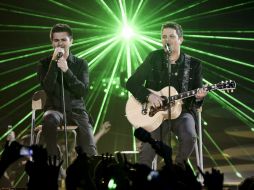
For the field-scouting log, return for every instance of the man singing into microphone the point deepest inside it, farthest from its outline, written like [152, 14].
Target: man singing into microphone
[185, 75]
[76, 81]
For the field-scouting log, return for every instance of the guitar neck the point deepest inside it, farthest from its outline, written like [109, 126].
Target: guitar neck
[191, 93]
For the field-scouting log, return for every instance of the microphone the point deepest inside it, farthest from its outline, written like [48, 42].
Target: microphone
[160, 148]
[145, 136]
[168, 48]
[59, 55]
[142, 135]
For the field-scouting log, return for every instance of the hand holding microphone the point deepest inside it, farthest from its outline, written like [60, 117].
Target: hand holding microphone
[58, 53]
[61, 61]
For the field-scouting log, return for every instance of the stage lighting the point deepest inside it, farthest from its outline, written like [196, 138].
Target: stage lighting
[127, 32]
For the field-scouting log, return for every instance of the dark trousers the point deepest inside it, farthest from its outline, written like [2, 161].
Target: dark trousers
[183, 127]
[85, 139]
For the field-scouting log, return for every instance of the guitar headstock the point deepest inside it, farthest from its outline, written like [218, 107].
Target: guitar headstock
[228, 85]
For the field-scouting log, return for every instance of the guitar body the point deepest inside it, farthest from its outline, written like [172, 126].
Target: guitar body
[138, 118]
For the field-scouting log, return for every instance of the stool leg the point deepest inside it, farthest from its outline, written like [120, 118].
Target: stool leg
[197, 154]
[75, 139]
[32, 128]
[200, 148]
[200, 143]
[154, 163]
[38, 137]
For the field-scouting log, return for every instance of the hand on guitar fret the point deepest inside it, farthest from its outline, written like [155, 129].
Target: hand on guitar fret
[155, 100]
[201, 93]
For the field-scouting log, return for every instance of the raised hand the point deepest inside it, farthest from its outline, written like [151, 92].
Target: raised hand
[10, 154]
[43, 171]
[54, 165]
[105, 127]
[214, 180]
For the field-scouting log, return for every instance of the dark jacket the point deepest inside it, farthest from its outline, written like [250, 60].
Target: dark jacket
[153, 74]
[76, 81]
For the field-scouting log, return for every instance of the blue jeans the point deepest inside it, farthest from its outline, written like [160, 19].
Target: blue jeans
[183, 127]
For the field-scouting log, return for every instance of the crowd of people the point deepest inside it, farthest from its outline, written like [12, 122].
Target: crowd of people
[111, 171]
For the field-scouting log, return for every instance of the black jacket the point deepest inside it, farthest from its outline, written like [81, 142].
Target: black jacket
[76, 81]
[153, 74]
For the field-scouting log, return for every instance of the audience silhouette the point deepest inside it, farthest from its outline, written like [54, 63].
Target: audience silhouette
[111, 172]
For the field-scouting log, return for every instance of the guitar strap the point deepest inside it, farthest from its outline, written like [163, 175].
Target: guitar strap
[186, 73]
[185, 83]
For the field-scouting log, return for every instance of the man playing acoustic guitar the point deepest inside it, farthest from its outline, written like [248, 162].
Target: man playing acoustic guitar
[185, 75]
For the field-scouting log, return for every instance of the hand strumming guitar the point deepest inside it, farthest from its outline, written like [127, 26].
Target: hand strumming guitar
[155, 100]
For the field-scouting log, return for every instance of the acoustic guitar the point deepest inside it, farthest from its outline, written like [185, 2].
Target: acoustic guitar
[150, 118]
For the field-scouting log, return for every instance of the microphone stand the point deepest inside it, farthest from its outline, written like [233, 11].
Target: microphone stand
[168, 53]
[65, 123]
[169, 93]
[64, 115]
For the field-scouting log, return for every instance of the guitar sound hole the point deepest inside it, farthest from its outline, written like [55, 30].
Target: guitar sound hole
[164, 101]
[152, 111]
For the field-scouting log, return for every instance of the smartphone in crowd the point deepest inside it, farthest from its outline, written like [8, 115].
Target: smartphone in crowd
[26, 151]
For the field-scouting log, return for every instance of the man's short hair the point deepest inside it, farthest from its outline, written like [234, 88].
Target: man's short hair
[175, 26]
[61, 28]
